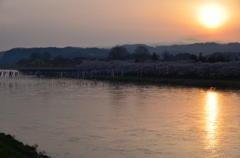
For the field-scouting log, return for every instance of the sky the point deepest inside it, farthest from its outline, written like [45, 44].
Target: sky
[106, 23]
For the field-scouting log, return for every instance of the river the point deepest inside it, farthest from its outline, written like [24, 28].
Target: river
[74, 118]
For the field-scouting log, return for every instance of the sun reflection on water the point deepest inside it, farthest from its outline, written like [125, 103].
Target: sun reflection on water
[211, 111]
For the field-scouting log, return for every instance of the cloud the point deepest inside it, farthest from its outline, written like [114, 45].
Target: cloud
[191, 39]
[1, 3]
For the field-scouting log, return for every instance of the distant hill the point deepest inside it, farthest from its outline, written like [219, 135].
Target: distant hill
[14, 55]
[205, 48]
[1, 54]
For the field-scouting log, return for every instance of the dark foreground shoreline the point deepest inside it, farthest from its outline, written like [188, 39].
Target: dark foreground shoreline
[190, 82]
[12, 148]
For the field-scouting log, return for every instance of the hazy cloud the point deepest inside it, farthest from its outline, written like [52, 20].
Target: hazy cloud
[35, 23]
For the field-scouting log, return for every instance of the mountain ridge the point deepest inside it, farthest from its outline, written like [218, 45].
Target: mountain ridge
[12, 56]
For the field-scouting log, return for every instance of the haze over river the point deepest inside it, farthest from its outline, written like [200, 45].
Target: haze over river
[74, 118]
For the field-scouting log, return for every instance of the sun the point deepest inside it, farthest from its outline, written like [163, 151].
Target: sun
[212, 15]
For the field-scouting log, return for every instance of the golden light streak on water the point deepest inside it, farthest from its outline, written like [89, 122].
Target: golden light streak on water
[211, 128]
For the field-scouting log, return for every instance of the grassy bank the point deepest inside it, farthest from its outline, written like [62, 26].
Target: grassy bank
[11, 148]
[193, 82]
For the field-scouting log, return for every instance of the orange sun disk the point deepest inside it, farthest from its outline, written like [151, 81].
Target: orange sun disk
[212, 16]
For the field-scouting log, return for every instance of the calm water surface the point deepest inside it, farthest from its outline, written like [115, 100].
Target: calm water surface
[71, 118]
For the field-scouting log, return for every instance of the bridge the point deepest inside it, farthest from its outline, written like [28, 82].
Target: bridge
[39, 65]
[69, 72]
[8, 67]
[38, 68]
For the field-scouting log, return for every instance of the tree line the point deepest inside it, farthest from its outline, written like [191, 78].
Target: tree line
[45, 60]
[141, 54]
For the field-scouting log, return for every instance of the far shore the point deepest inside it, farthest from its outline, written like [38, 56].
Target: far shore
[186, 73]
[231, 82]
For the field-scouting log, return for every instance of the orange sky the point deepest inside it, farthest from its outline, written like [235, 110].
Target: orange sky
[105, 23]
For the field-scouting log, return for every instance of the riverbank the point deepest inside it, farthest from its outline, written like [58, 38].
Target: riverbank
[230, 82]
[187, 73]
[12, 148]
[192, 82]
